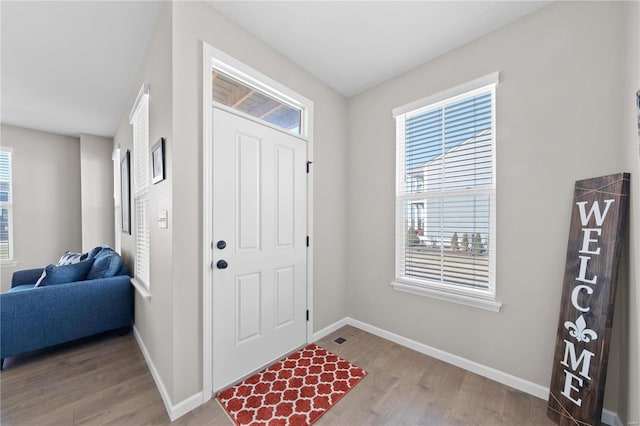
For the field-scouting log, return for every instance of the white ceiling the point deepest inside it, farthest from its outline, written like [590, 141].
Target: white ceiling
[354, 45]
[68, 67]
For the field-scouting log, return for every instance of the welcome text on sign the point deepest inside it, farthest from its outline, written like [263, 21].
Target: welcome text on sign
[580, 364]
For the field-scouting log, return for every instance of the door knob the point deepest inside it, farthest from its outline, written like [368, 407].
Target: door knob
[221, 244]
[222, 264]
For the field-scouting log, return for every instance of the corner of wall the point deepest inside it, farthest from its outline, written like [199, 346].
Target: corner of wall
[154, 316]
[96, 200]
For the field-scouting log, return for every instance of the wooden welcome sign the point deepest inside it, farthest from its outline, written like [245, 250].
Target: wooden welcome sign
[599, 213]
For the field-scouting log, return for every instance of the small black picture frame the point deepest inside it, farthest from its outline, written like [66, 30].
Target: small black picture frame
[638, 111]
[157, 161]
[125, 193]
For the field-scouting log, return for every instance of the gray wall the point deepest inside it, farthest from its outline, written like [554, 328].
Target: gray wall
[154, 317]
[46, 188]
[193, 22]
[170, 323]
[558, 120]
[96, 171]
[559, 108]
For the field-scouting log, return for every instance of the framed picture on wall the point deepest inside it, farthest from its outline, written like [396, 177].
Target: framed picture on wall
[638, 110]
[157, 161]
[125, 190]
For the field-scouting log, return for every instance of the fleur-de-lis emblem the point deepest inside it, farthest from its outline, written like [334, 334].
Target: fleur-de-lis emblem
[580, 331]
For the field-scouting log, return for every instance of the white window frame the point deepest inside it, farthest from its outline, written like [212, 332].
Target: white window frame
[474, 297]
[117, 202]
[9, 261]
[141, 189]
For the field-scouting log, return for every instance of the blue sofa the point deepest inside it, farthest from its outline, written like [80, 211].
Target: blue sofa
[34, 317]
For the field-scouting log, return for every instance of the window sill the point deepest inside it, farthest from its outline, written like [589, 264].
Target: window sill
[8, 263]
[141, 289]
[474, 302]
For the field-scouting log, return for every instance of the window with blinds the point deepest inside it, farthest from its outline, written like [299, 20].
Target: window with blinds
[139, 119]
[116, 200]
[445, 202]
[6, 206]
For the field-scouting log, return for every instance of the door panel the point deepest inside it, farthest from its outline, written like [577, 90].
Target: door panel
[285, 197]
[259, 210]
[247, 316]
[285, 296]
[248, 191]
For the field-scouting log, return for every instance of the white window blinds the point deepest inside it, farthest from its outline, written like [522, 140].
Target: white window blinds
[139, 119]
[116, 200]
[445, 203]
[6, 205]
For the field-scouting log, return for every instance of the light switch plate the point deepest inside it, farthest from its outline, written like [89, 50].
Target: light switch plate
[162, 220]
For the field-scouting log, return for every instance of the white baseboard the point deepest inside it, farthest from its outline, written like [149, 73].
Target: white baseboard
[482, 370]
[329, 329]
[608, 417]
[182, 408]
[174, 411]
[611, 418]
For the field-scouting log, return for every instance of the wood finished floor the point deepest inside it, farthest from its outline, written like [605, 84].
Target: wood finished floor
[104, 380]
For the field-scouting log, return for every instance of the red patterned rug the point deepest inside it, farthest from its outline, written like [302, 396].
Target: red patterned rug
[295, 391]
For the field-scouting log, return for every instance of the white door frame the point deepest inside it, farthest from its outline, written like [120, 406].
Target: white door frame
[212, 57]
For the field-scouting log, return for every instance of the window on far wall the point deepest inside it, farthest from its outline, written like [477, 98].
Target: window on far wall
[139, 119]
[116, 200]
[6, 205]
[446, 195]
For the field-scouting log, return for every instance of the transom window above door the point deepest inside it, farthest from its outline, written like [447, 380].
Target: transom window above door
[239, 96]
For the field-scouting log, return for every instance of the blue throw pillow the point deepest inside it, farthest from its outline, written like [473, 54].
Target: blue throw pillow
[60, 274]
[70, 258]
[106, 263]
[94, 251]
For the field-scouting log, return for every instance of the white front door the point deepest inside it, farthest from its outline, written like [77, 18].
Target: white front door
[259, 245]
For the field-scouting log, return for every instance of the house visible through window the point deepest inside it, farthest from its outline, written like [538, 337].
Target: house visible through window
[6, 206]
[445, 202]
[139, 119]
